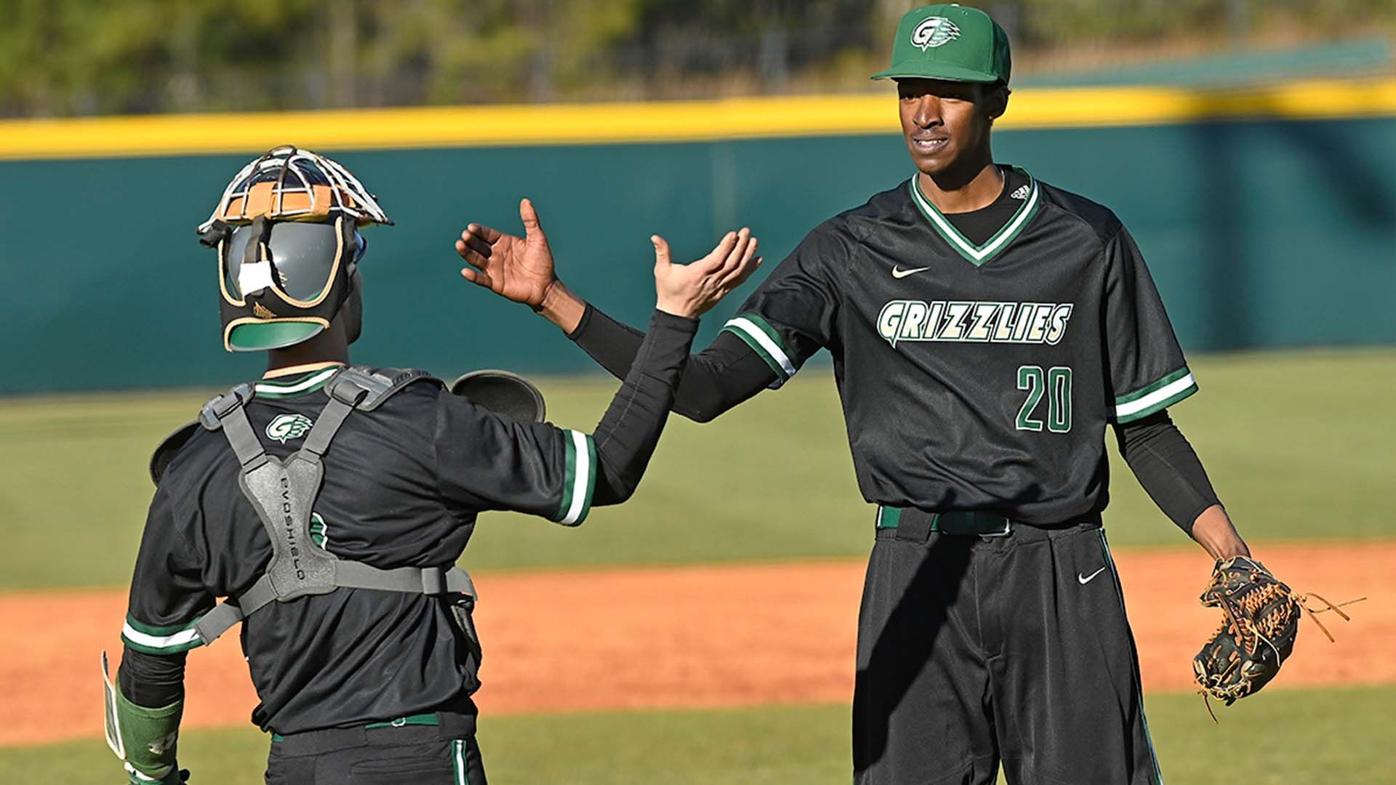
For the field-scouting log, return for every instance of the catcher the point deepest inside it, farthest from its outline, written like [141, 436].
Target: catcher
[328, 503]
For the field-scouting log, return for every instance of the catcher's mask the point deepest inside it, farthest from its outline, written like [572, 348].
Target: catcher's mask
[287, 235]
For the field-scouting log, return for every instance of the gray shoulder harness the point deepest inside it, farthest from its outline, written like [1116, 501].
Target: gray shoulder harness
[283, 493]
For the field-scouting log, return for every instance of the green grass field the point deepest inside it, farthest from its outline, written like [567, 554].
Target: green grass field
[1283, 737]
[1298, 444]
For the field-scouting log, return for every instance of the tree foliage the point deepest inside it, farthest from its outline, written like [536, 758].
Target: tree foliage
[78, 57]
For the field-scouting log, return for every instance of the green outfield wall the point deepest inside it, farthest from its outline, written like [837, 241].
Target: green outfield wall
[1262, 231]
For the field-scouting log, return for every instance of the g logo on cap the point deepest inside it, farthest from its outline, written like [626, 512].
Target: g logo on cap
[934, 31]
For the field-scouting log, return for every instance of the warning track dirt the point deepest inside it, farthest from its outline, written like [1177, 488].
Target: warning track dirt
[700, 636]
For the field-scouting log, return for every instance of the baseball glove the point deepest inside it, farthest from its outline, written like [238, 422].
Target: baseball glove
[1259, 625]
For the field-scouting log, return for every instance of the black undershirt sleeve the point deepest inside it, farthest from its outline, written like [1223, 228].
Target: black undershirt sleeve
[630, 428]
[1167, 468]
[714, 380]
[151, 680]
[490, 461]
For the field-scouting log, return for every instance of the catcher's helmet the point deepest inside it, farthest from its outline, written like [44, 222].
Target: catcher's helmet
[287, 234]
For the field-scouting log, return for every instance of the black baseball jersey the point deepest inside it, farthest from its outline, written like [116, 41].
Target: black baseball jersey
[403, 484]
[976, 376]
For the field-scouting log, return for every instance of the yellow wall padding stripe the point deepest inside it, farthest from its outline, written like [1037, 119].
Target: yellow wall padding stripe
[679, 121]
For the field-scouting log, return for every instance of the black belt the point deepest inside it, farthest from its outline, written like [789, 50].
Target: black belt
[910, 523]
[413, 729]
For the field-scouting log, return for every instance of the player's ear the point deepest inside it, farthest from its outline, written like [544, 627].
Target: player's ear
[996, 100]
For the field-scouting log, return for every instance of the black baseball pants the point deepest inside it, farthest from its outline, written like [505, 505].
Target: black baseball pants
[976, 652]
[411, 755]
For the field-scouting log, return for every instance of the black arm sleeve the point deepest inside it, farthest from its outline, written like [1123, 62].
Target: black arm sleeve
[489, 461]
[626, 437]
[713, 381]
[1167, 467]
[151, 680]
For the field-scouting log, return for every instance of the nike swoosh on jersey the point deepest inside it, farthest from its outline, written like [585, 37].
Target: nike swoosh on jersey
[1085, 579]
[899, 273]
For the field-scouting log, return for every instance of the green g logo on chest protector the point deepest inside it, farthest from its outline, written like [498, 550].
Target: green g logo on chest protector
[285, 427]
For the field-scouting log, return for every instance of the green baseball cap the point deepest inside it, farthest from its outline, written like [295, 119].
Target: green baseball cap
[949, 42]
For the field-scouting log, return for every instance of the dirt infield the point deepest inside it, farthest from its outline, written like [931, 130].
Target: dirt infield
[689, 637]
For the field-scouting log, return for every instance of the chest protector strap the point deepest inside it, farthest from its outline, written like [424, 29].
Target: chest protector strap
[283, 493]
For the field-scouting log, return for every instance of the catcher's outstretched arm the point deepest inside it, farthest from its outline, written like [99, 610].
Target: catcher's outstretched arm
[630, 429]
[625, 439]
[714, 380]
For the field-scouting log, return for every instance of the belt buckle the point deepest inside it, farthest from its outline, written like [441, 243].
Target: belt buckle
[1007, 530]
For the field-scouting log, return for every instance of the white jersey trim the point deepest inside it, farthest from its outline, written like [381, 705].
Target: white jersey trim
[1153, 399]
[763, 340]
[582, 481]
[304, 384]
[181, 638]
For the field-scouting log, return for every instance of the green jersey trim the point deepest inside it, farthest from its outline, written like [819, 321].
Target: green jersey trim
[296, 385]
[1156, 396]
[978, 254]
[151, 639]
[763, 339]
[579, 479]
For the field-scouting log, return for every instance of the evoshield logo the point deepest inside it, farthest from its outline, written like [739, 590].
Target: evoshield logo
[288, 521]
[935, 31]
[285, 427]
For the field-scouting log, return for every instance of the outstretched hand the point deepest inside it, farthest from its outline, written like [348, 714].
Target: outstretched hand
[517, 268]
[691, 289]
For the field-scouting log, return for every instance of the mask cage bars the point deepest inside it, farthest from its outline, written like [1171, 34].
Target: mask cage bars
[287, 159]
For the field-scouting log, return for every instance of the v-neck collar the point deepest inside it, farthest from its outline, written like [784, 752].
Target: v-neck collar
[977, 255]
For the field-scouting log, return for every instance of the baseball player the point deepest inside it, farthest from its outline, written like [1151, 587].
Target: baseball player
[985, 328]
[328, 503]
